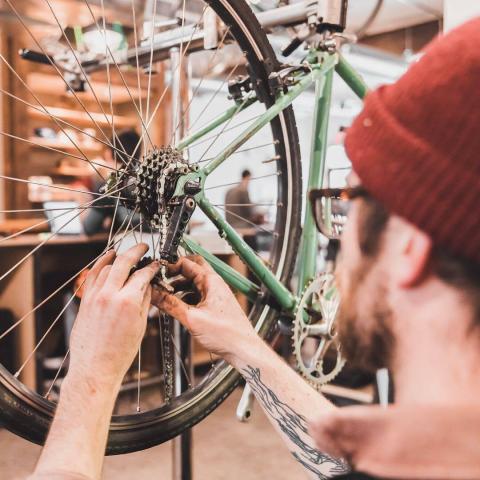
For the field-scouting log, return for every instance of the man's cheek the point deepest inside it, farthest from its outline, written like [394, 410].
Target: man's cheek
[341, 272]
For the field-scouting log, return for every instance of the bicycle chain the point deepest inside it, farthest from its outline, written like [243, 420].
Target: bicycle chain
[168, 355]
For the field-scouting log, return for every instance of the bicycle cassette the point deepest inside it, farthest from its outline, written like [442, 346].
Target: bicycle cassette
[314, 333]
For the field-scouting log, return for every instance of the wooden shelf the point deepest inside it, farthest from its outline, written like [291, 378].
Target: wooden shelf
[81, 118]
[66, 147]
[54, 85]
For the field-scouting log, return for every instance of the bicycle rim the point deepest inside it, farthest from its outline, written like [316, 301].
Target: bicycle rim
[29, 414]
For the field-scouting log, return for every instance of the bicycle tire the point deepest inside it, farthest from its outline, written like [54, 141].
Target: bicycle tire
[29, 415]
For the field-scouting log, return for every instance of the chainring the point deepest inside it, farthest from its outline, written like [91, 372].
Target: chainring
[315, 319]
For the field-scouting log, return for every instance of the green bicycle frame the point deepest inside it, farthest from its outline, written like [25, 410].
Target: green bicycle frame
[320, 75]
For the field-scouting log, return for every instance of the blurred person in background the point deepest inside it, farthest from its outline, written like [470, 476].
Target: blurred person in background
[240, 212]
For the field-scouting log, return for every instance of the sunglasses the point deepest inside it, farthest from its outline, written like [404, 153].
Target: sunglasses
[330, 207]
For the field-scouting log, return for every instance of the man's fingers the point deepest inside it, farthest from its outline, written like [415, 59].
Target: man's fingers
[102, 276]
[141, 279]
[106, 259]
[199, 260]
[147, 300]
[176, 268]
[123, 265]
[191, 270]
[171, 305]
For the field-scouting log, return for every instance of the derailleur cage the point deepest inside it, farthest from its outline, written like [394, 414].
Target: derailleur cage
[183, 208]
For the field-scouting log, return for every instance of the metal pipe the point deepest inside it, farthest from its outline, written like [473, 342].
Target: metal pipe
[351, 77]
[236, 280]
[224, 117]
[183, 366]
[280, 293]
[288, 15]
[309, 249]
[283, 101]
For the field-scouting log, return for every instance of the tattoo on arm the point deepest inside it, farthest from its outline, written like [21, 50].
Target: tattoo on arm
[294, 426]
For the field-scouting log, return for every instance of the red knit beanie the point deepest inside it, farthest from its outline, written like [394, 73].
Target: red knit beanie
[416, 144]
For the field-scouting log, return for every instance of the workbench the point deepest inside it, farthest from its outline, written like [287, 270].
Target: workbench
[44, 268]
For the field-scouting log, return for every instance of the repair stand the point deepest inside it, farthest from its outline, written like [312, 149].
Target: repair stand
[182, 444]
[183, 367]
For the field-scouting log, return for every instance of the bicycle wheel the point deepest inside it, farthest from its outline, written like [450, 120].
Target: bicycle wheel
[29, 413]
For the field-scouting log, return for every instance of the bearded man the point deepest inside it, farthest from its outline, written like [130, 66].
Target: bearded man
[409, 279]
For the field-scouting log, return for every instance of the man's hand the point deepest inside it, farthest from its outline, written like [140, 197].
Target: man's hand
[105, 339]
[222, 327]
[112, 317]
[217, 322]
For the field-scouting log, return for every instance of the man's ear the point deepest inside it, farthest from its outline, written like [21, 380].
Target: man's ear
[413, 249]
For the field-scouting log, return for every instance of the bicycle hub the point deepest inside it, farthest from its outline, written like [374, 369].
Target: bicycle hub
[148, 188]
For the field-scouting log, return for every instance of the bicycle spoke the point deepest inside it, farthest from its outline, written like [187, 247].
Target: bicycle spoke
[246, 205]
[206, 139]
[109, 83]
[182, 364]
[68, 124]
[113, 220]
[152, 35]
[237, 111]
[57, 375]
[199, 84]
[276, 174]
[32, 182]
[256, 147]
[43, 222]
[61, 287]
[125, 84]
[52, 325]
[5, 61]
[49, 329]
[177, 102]
[139, 373]
[139, 83]
[225, 80]
[54, 65]
[254, 225]
[56, 150]
[39, 210]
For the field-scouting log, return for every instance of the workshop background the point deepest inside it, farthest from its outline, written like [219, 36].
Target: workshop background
[391, 34]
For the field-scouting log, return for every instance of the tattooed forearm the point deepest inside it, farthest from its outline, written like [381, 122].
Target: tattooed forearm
[294, 426]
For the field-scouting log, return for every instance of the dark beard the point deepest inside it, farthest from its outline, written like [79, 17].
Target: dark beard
[365, 333]
[364, 319]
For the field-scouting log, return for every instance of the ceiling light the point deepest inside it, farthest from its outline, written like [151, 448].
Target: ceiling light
[100, 35]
